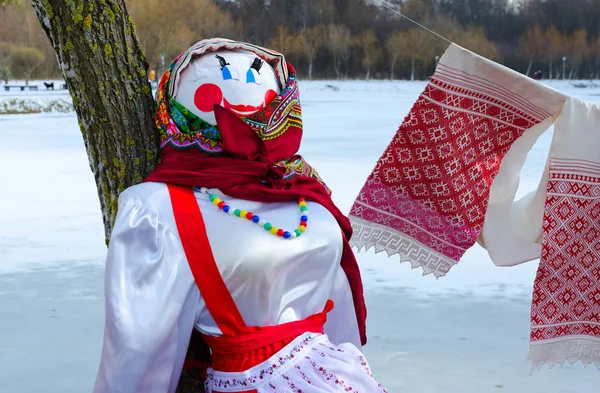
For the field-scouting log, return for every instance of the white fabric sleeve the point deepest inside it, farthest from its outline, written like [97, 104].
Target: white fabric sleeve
[341, 326]
[512, 231]
[151, 302]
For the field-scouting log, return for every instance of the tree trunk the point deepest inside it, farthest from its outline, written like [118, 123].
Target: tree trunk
[310, 68]
[529, 66]
[336, 66]
[392, 70]
[105, 69]
[346, 58]
[412, 69]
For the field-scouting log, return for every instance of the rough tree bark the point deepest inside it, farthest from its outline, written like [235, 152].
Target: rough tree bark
[105, 69]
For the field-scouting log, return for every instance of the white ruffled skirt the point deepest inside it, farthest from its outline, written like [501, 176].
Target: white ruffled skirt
[309, 364]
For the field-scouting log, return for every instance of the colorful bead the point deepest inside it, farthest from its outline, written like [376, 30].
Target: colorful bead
[261, 222]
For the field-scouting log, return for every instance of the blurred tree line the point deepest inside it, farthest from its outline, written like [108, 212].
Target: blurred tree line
[346, 38]
[24, 48]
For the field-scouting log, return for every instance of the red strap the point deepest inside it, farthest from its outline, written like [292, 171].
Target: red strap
[258, 337]
[196, 246]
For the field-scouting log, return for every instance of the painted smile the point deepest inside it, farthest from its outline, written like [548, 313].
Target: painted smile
[208, 95]
[242, 110]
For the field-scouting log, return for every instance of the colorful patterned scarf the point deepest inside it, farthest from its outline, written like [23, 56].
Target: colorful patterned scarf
[180, 128]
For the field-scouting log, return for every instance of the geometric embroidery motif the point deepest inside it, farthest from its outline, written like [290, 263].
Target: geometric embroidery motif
[566, 297]
[430, 188]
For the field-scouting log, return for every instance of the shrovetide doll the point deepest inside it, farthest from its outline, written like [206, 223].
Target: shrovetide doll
[233, 236]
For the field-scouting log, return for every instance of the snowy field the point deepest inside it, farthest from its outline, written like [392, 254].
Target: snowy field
[465, 333]
[34, 101]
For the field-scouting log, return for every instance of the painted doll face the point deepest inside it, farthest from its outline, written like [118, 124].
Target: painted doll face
[234, 79]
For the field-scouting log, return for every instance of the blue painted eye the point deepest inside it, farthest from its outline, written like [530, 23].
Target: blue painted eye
[230, 73]
[252, 76]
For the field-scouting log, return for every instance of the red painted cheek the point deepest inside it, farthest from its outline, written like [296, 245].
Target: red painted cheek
[206, 96]
[269, 95]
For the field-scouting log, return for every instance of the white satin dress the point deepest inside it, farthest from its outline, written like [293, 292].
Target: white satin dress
[153, 303]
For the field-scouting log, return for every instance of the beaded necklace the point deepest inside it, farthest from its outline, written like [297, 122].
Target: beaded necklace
[247, 215]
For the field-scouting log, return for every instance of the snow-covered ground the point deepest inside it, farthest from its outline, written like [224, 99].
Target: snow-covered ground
[465, 333]
[34, 101]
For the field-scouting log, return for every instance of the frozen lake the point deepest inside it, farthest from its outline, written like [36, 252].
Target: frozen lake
[465, 333]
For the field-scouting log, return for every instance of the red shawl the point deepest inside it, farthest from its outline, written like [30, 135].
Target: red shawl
[253, 175]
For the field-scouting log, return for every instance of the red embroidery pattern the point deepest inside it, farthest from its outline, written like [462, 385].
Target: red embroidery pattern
[566, 296]
[427, 196]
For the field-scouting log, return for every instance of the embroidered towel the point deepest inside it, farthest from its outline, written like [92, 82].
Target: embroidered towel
[565, 313]
[427, 197]
[450, 175]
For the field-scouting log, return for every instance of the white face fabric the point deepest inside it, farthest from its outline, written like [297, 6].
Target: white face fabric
[235, 79]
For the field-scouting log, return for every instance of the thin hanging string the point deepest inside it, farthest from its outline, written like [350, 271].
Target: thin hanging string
[383, 4]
